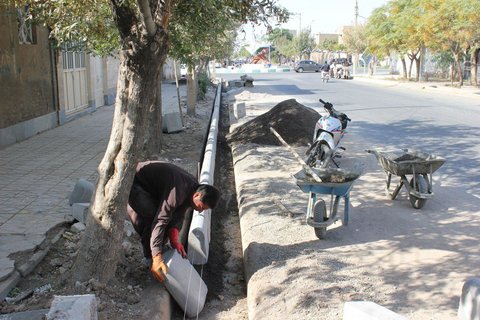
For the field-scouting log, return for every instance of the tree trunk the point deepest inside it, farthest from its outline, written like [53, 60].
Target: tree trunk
[452, 69]
[417, 65]
[459, 69]
[404, 66]
[474, 67]
[137, 89]
[191, 91]
[153, 138]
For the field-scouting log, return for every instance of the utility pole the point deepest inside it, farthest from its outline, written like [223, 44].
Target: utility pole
[356, 13]
[355, 57]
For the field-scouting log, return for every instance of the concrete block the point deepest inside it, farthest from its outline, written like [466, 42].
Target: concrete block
[367, 310]
[78, 227]
[25, 315]
[34, 260]
[189, 291]
[469, 306]
[8, 284]
[80, 211]
[239, 110]
[7, 266]
[82, 192]
[173, 122]
[77, 307]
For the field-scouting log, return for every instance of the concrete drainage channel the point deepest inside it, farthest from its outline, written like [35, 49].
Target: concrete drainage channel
[214, 240]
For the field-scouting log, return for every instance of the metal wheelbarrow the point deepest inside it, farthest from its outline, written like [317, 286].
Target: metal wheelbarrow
[335, 182]
[419, 165]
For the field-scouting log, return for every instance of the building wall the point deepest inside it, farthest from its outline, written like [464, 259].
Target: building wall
[321, 37]
[25, 74]
[32, 82]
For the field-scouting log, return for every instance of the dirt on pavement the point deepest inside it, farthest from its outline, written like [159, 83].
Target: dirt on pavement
[127, 296]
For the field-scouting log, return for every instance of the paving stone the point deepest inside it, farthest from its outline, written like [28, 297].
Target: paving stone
[25, 315]
[367, 310]
[173, 122]
[8, 284]
[80, 211]
[34, 260]
[469, 307]
[239, 110]
[76, 307]
[10, 243]
[82, 192]
[7, 266]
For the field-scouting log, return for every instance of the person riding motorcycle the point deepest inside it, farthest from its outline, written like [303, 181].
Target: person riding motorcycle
[325, 71]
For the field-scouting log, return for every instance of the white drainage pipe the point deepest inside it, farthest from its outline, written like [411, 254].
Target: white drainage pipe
[199, 234]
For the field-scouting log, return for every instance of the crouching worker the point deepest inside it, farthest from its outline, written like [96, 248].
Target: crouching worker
[161, 194]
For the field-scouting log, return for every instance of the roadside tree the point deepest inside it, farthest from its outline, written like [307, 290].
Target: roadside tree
[139, 31]
[304, 44]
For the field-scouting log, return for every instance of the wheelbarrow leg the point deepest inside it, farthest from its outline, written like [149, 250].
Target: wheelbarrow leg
[347, 206]
[395, 192]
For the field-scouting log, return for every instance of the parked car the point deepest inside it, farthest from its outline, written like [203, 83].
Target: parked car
[307, 65]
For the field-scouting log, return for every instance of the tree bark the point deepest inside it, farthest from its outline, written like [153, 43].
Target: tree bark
[141, 59]
[417, 66]
[474, 67]
[404, 66]
[191, 91]
[459, 68]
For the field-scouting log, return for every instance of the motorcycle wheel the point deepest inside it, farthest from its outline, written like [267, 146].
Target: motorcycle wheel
[323, 155]
[420, 186]
[312, 157]
[320, 215]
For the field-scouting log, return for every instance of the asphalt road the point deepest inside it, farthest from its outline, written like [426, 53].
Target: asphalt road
[411, 261]
[392, 115]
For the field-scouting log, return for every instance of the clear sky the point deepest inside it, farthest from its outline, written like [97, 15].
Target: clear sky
[321, 16]
[327, 16]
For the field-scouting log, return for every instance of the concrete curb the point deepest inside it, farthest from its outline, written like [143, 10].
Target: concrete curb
[257, 70]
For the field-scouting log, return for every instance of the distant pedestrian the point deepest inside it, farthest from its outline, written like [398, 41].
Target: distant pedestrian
[160, 196]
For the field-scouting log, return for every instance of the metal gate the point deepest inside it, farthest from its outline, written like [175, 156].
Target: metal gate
[74, 79]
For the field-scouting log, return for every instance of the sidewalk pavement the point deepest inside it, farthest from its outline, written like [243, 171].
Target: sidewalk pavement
[36, 179]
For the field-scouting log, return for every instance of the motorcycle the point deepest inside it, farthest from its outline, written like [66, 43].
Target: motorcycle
[329, 131]
[325, 76]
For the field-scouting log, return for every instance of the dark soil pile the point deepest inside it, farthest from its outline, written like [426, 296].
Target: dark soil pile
[292, 120]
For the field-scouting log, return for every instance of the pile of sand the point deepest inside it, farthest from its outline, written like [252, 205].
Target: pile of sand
[292, 120]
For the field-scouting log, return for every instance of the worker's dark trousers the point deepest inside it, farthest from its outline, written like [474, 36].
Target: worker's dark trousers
[141, 210]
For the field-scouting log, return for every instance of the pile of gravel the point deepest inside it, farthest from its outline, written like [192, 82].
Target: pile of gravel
[292, 120]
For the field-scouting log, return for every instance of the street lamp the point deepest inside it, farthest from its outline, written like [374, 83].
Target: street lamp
[300, 21]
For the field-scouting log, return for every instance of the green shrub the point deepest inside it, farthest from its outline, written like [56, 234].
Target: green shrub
[203, 83]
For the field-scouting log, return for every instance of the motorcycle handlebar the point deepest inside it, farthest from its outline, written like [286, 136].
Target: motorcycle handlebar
[332, 111]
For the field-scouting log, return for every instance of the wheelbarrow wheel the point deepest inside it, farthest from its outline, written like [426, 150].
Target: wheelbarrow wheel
[320, 215]
[420, 186]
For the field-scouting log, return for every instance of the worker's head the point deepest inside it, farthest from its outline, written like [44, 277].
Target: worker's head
[205, 197]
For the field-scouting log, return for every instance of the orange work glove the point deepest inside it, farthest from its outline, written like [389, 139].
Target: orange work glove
[159, 268]
[173, 236]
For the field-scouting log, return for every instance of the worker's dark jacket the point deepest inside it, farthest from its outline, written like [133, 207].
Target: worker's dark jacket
[172, 189]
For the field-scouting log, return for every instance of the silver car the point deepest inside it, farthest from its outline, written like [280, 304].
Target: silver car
[307, 65]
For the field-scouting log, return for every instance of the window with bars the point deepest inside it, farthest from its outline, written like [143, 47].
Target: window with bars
[73, 56]
[26, 30]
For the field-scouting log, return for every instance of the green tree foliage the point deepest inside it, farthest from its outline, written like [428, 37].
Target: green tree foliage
[410, 26]
[140, 33]
[304, 43]
[355, 39]
[242, 53]
[283, 42]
